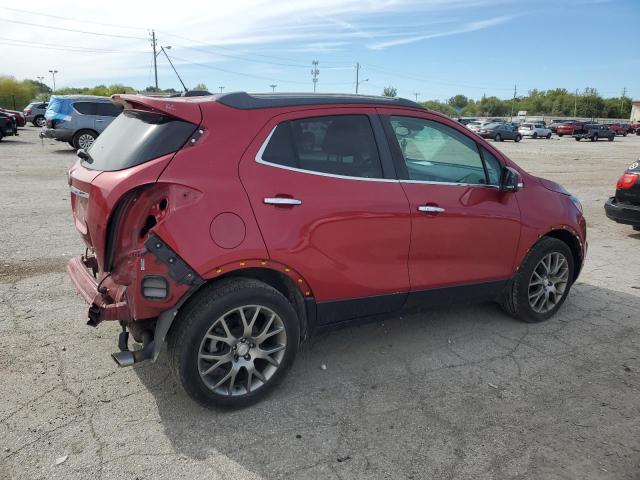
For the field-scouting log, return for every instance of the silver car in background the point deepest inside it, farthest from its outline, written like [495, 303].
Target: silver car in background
[78, 119]
[34, 113]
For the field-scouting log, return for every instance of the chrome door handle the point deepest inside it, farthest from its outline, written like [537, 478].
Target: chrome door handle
[430, 209]
[282, 201]
[99, 120]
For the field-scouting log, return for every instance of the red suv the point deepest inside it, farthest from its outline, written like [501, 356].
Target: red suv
[234, 226]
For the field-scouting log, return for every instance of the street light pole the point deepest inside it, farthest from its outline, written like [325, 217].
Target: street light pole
[221, 89]
[53, 75]
[273, 87]
[416, 94]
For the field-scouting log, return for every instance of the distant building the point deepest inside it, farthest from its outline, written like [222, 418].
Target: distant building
[635, 111]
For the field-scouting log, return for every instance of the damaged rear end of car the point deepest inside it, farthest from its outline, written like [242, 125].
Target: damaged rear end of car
[128, 273]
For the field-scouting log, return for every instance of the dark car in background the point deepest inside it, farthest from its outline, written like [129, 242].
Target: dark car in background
[594, 132]
[500, 132]
[8, 125]
[624, 207]
[20, 120]
[34, 113]
[78, 119]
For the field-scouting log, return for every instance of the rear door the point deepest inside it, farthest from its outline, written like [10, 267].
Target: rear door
[465, 231]
[322, 186]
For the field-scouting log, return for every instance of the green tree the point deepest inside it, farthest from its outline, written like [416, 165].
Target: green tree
[458, 102]
[390, 92]
[201, 86]
[15, 94]
[441, 107]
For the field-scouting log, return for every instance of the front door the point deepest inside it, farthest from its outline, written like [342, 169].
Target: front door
[323, 189]
[465, 231]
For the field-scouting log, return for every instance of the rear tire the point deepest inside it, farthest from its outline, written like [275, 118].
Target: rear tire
[561, 135]
[636, 228]
[611, 139]
[548, 136]
[594, 138]
[577, 139]
[533, 295]
[518, 138]
[39, 121]
[498, 138]
[206, 349]
[84, 139]
[535, 135]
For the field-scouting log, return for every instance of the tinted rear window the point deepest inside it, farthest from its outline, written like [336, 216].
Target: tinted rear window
[136, 137]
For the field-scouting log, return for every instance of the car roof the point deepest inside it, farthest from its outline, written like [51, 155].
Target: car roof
[85, 98]
[252, 101]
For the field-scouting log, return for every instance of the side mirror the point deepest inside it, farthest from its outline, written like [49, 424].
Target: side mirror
[510, 180]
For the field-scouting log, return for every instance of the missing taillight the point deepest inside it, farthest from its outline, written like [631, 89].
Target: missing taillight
[149, 223]
[163, 204]
[627, 181]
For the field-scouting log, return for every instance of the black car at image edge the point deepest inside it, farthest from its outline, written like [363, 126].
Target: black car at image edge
[8, 125]
[624, 207]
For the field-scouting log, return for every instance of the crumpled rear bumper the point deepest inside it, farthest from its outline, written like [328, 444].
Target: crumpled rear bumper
[103, 305]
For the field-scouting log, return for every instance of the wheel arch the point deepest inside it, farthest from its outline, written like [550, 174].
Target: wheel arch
[573, 242]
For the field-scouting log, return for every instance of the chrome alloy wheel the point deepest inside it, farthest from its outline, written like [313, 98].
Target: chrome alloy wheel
[548, 282]
[242, 350]
[85, 140]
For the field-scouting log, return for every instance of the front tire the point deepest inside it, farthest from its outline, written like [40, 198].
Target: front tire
[535, 135]
[611, 139]
[518, 138]
[84, 139]
[39, 121]
[542, 283]
[233, 343]
[548, 136]
[498, 138]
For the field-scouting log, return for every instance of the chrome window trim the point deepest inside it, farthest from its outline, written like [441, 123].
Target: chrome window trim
[78, 192]
[312, 172]
[263, 147]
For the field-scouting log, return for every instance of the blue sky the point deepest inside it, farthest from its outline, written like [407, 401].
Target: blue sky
[437, 48]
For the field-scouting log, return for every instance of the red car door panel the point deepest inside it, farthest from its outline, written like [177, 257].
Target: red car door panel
[348, 237]
[464, 229]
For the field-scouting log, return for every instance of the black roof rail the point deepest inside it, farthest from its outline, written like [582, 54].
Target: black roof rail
[252, 101]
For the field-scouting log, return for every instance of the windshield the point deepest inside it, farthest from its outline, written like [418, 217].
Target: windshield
[135, 137]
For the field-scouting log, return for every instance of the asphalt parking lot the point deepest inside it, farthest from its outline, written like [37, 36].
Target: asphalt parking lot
[463, 392]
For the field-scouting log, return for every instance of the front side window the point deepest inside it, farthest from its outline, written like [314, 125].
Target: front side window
[434, 152]
[338, 145]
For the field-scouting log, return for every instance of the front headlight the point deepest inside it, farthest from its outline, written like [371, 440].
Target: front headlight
[576, 202]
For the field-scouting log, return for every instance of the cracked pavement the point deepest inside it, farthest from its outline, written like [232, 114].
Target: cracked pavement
[461, 392]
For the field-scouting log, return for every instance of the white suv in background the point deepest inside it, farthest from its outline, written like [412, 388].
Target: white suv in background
[534, 130]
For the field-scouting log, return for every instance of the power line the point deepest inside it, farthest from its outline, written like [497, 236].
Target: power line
[68, 47]
[70, 29]
[71, 19]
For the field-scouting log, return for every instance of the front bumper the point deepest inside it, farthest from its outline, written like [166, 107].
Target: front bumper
[625, 213]
[60, 134]
[102, 304]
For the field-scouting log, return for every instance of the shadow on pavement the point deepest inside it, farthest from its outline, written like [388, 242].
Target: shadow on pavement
[462, 392]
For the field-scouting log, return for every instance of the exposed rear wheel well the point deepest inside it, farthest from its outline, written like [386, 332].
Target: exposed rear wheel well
[573, 244]
[280, 282]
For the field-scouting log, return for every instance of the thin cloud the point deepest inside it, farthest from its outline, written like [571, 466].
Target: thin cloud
[469, 27]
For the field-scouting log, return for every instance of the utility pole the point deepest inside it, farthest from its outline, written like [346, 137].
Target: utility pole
[221, 89]
[575, 104]
[416, 94]
[624, 94]
[357, 76]
[155, 56]
[53, 75]
[314, 74]
[273, 87]
[513, 103]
